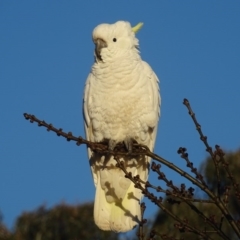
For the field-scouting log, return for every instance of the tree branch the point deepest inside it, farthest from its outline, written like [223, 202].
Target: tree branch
[139, 149]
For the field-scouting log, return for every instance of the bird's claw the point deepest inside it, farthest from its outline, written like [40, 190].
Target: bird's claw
[111, 144]
[129, 144]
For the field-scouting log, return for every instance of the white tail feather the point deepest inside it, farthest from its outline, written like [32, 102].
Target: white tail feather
[118, 216]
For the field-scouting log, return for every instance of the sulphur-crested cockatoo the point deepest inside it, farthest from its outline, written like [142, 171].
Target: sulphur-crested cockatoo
[121, 104]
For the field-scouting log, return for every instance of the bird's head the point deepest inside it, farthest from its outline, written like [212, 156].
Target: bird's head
[114, 40]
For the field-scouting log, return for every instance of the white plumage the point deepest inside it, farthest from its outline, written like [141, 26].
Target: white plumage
[121, 103]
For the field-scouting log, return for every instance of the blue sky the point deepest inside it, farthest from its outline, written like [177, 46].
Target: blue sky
[46, 53]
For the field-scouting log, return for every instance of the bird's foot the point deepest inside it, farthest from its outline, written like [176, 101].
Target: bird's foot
[129, 144]
[111, 144]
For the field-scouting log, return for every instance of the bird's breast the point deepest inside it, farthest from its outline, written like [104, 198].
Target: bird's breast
[119, 99]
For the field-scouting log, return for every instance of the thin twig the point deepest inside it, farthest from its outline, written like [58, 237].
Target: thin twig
[142, 222]
[219, 203]
[179, 193]
[204, 140]
[226, 193]
[219, 152]
[139, 149]
[172, 193]
[184, 155]
[187, 227]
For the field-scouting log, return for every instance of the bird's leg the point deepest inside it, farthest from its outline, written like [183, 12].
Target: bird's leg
[129, 144]
[105, 161]
[111, 144]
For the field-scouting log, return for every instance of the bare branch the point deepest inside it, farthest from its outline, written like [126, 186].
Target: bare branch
[183, 194]
[204, 140]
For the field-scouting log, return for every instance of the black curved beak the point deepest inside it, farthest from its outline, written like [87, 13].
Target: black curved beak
[99, 44]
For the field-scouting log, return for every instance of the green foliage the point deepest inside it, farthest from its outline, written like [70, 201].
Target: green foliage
[4, 233]
[232, 160]
[62, 222]
[164, 224]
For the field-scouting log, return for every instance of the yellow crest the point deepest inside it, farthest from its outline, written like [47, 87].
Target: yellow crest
[137, 27]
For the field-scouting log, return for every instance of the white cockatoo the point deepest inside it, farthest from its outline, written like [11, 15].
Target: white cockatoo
[121, 104]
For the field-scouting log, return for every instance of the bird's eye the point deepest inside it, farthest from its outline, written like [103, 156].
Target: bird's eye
[114, 39]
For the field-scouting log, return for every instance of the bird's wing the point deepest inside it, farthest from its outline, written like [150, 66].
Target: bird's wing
[155, 99]
[154, 108]
[87, 123]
